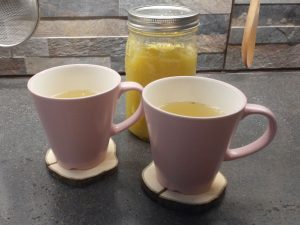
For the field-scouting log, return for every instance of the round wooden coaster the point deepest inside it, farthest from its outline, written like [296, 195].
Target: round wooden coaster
[181, 201]
[79, 177]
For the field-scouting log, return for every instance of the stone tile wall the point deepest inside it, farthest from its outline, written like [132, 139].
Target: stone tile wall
[95, 31]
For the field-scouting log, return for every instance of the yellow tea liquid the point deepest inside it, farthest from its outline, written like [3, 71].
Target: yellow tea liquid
[193, 109]
[74, 94]
[146, 63]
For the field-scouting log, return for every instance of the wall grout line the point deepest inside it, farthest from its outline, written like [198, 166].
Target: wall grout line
[228, 34]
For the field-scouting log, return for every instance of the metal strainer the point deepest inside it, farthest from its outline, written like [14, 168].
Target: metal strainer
[18, 21]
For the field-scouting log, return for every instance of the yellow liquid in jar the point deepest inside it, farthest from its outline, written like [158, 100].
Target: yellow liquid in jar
[146, 63]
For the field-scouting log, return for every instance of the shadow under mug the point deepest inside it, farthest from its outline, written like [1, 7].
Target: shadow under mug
[188, 151]
[79, 129]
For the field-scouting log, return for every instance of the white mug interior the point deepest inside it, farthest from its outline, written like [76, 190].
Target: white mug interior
[53, 81]
[208, 91]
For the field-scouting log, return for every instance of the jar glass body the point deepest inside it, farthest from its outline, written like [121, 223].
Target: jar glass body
[151, 56]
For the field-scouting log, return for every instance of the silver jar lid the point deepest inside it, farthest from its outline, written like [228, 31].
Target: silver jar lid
[162, 18]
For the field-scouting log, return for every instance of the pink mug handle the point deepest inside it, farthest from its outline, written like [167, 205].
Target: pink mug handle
[127, 86]
[262, 141]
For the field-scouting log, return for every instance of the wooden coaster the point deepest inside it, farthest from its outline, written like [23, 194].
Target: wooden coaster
[181, 201]
[79, 177]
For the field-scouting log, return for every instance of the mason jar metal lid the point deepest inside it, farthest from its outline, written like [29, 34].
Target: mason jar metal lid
[162, 18]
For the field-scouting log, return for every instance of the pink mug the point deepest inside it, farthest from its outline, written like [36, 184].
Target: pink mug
[188, 151]
[78, 129]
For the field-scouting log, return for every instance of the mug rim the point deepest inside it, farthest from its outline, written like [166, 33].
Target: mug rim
[39, 74]
[235, 89]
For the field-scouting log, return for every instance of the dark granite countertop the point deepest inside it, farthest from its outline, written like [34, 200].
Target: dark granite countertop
[263, 188]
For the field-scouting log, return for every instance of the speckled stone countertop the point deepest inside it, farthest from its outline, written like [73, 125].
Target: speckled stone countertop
[263, 188]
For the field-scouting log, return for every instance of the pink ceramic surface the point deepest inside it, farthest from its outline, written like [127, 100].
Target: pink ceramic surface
[79, 129]
[188, 151]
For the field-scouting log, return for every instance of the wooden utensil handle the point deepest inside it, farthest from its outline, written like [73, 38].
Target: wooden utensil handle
[249, 37]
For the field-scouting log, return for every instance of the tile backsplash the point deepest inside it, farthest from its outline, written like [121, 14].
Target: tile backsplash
[95, 31]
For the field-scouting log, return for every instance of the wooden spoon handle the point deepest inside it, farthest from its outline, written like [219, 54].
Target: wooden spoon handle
[249, 38]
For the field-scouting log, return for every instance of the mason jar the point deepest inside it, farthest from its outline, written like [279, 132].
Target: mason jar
[161, 43]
